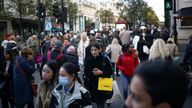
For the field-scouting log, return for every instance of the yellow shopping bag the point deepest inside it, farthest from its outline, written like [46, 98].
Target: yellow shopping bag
[105, 84]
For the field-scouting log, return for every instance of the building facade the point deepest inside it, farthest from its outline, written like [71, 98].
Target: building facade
[184, 19]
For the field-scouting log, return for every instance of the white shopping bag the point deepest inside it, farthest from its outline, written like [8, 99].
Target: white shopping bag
[116, 93]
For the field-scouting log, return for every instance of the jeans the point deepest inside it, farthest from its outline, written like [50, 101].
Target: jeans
[125, 83]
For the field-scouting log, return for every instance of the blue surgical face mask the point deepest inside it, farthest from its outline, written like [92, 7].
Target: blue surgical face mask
[63, 80]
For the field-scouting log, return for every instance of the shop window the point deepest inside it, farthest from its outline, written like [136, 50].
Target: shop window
[186, 23]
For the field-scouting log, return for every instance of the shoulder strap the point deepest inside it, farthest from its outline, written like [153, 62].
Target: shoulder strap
[21, 70]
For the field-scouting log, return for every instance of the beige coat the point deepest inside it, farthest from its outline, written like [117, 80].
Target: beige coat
[44, 94]
[115, 49]
[125, 36]
[158, 50]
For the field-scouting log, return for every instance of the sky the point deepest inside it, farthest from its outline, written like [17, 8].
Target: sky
[157, 5]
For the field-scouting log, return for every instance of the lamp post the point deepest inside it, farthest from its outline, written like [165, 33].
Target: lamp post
[175, 24]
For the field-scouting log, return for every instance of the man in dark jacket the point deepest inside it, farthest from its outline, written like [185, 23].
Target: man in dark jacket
[56, 53]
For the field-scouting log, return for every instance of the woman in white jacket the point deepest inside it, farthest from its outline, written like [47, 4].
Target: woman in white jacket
[84, 42]
[114, 50]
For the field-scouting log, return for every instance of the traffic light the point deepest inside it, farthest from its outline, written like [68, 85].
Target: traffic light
[56, 10]
[167, 7]
[40, 10]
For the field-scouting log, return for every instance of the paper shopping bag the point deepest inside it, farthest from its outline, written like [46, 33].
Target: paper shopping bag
[105, 84]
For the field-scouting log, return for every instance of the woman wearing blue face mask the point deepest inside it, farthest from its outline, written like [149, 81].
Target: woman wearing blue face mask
[69, 93]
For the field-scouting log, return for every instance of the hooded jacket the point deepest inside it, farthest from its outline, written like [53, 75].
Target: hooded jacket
[158, 50]
[76, 97]
[127, 63]
[114, 49]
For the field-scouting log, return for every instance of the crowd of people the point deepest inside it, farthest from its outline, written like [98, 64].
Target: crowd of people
[70, 67]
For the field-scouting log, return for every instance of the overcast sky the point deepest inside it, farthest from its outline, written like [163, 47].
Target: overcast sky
[157, 5]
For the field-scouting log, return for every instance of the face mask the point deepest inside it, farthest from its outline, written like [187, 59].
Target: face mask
[63, 80]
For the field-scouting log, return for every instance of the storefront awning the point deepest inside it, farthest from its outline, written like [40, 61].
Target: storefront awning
[185, 12]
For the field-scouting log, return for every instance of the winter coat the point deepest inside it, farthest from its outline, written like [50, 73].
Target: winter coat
[7, 90]
[114, 49]
[81, 50]
[172, 47]
[1, 56]
[125, 36]
[44, 94]
[21, 84]
[87, 53]
[135, 41]
[33, 44]
[188, 53]
[45, 47]
[71, 58]
[127, 63]
[56, 54]
[101, 62]
[142, 56]
[102, 41]
[158, 50]
[76, 97]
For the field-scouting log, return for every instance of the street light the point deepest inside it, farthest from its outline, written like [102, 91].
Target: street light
[175, 24]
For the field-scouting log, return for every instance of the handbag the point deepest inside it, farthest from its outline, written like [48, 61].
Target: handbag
[116, 93]
[105, 84]
[38, 58]
[145, 49]
[32, 82]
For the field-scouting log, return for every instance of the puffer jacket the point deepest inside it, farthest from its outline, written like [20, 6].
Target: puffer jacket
[127, 63]
[77, 97]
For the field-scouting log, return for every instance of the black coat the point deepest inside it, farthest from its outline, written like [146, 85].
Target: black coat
[188, 53]
[91, 81]
[72, 58]
[7, 90]
[142, 56]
